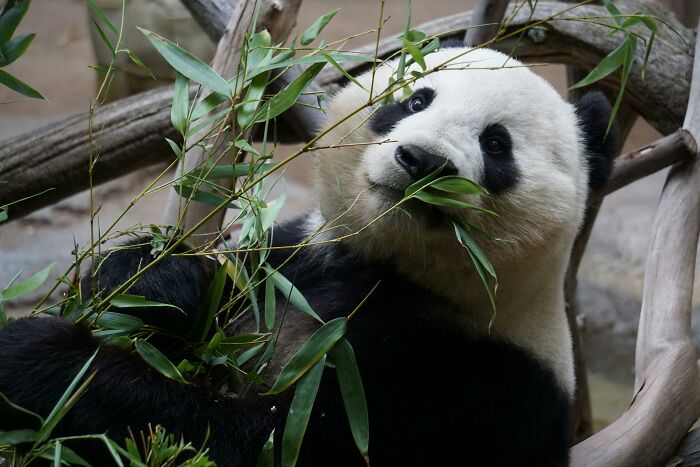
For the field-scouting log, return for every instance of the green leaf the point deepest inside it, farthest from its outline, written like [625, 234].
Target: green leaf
[289, 291]
[63, 454]
[313, 31]
[218, 172]
[288, 96]
[118, 321]
[17, 437]
[67, 400]
[104, 37]
[175, 147]
[468, 241]
[17, 85]
[201, 196]
[14, 49]
[181, 97]
[630, 52]
[270, 304]
[270, 213]
[415, 53]
[299, 413]
[207, 104]
[157, 360]
[454, 184]
[97, 11]
[614, 11]
[448, 202]
[137, 61]
[3, 214]
[315, 58]
[137, 301]
[26, 286]
[187, 64]
[353, 392]
[11, 19]
[267, 454]
[607, 66]
[337, 66]
[209, 306]
[313, 349]
[252, 99]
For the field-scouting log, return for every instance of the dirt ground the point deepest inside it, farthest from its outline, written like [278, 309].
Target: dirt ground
[57, 64]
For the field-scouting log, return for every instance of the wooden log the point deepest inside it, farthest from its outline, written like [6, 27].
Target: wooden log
[55, 158]
[278, 18]
[485, 21]
[661, 98]
[667, 380]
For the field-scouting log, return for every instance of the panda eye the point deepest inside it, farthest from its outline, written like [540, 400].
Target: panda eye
[495, 145]
[416, 104]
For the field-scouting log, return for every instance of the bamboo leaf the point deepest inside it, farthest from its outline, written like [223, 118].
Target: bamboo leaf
[104, 37]
[11, 19]
[353, 392]
[17, 85]
[270, 304]
[138, 301]
[137, 61]
[181, 97]
[157, 360]
[607, 66]
[309, 354]
[288, 290]
[187, 64]
[227, 171]
[119, 321]
[449, 202]
[14, 49]
[201, 196]
[415, 53]
[67, 400]
[17, 437]
[316, 58]
[468, 242]
[288, 96]
[453, 184]
[252, 99]
[315, 29]
[299, 413]
[97, 11]
[614, 11]
[210, 305]
[26, 286]
[337, 66]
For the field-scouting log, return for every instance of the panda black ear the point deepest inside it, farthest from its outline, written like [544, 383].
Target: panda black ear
[593, 111]
[452, 43]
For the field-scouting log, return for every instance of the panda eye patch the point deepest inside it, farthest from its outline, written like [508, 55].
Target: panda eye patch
[495, 140]
[388, 116]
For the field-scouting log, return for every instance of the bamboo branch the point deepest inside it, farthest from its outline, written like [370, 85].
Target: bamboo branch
[485, 21]
[278, 17]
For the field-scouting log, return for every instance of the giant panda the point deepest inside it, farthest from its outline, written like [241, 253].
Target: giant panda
[448, 382]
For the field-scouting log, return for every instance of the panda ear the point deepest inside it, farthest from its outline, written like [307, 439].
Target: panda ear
[593, 111]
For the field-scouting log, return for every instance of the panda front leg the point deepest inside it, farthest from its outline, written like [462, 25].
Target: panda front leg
[41, 356]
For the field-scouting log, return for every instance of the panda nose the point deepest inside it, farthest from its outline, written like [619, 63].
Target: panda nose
[419, 163]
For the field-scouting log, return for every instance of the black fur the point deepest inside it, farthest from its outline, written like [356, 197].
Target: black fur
[500, 170]
[434, 396]
[389, 115]
[181, 281]
[40, 357]
[593, 111]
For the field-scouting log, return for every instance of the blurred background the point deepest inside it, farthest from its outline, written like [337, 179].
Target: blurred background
[57, 64]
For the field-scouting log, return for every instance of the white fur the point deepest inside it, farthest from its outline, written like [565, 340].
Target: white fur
[539, 217]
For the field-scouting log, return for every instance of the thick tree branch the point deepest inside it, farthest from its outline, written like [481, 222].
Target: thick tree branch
[485, 21]
[667, 402]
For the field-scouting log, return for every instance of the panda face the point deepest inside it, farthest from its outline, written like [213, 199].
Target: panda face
[481, 116]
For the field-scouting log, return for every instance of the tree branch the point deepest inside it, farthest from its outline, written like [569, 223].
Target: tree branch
[667, 401]
[485, 21]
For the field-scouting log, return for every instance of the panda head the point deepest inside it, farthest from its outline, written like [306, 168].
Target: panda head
[482, 116]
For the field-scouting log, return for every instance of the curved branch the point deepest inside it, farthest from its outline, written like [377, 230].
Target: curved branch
[661, 98]
[667, 402]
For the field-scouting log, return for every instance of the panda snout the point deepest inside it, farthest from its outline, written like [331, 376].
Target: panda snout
[419, 163]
